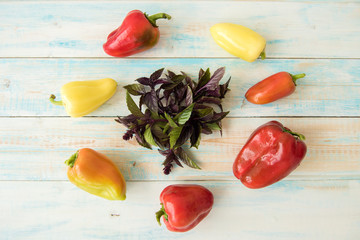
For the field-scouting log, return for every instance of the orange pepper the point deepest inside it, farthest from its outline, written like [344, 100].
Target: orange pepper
[96, 174]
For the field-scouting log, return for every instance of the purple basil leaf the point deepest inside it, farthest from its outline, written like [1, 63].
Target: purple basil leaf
[176, 160]
[210, 100]
[213, 93]
[170, 74]
[206, 130]
[190, 83]
[164, 152]
[218, 117]
[175, 108]
[200, 106]
[185, 135]
[205, 114]
[177, 79]
[188, 96]
[184, 157]
[158, 132]
[147, 113]
[160, 81]
[171, 100]
[156, 75]
[180, 91]
[203, 80]
[141, 101]
[196, 136]
[213, 83]
[144, 81]
[224, 88]
[151, 101]
[201, 73]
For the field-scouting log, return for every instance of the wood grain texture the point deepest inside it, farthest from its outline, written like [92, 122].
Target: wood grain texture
[36, 148]
[45, 44]
[58, 210]
[79, 28]
[331, 87]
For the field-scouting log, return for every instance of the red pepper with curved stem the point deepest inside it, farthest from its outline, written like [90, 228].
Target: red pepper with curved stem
[270, 89]
[271, 153]
[137, 33]
[184, 206]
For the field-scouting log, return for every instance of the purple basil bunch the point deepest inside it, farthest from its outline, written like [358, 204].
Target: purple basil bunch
[178, 110]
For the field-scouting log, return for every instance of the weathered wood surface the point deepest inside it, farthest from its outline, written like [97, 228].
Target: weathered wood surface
[36, 148]
[79, 28]
[45, 44]
[331, 87]
[289, 210]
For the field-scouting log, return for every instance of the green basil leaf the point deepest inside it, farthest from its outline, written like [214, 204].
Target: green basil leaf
[166, 128]
[170, 120]
[204, 79]
[213, 126]
[158, 132]
[182, 155]
[185, 115]
[148, 136]
[135, 89]
[141, 141]
[174, 135]
[205, 112]
[133, 108]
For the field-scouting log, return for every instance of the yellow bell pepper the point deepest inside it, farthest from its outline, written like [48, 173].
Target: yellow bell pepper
[82, 97]
[94, 173]
[239, 41]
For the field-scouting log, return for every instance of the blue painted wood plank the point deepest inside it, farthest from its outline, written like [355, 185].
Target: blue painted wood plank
[331, 87]
[59, 210]
[79, 28]
[36, 148]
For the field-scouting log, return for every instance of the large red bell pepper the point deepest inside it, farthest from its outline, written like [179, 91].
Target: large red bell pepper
[137, 33]
[184, 206]
[272, 88]
[271, 153]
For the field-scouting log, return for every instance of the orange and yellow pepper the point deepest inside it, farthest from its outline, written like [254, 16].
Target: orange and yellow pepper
[95, 173]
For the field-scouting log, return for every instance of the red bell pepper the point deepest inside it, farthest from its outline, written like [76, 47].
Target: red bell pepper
[271, 153]
[137, 33]
[184, 206]
[270, 89]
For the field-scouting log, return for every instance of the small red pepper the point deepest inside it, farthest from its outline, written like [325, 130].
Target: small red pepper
[270, 89]
[271, 153]
[137, 33]
[184, 206]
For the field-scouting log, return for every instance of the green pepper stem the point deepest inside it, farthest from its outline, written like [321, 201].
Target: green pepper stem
[263, 54]
[297, 135]
[160, 213]
[52, 100]
[297, 76]
[152, 19]
[71, 161]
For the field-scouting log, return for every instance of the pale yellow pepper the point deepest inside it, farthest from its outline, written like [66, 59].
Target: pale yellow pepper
[239, 41]
[83, 97]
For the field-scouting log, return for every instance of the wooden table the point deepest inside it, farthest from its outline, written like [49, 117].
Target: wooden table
[46, 44]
